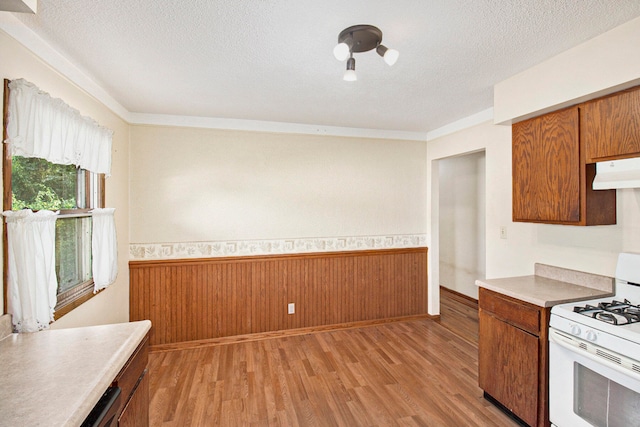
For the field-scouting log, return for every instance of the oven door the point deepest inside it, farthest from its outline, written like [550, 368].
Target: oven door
[587, 389]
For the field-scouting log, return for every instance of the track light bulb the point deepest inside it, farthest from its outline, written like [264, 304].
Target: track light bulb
[350, 73]
[341, 51]
[390, 56]
[350, 76]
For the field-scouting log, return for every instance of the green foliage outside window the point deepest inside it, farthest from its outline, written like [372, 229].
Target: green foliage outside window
[38, 184]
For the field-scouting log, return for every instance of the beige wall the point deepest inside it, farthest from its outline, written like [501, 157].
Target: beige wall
[604, 64]
[191, 184]
[112, 305]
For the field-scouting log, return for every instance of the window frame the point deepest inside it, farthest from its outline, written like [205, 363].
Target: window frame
[74, 297]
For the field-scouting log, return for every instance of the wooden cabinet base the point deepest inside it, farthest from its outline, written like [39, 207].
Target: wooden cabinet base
[136, 412]
[503, 408]
[134, 383]
[513, 356]
[508, 365]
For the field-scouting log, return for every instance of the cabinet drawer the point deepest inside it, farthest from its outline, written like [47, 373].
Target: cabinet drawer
[518, 313]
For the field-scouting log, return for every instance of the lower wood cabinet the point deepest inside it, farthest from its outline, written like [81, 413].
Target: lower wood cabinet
[136, 411]
[134, 384]
[513, 355]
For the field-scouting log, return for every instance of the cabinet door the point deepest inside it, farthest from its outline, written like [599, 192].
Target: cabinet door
[136, 411]
[610, 126]
[508, 361]
[546, 168]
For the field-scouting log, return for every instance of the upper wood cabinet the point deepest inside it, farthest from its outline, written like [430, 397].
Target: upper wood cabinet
[610, 126]
[551, 181]
[546, 168]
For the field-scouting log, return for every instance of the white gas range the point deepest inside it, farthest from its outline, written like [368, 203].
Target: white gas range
[594, 356]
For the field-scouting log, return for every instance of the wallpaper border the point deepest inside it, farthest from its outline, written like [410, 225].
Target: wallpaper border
[181, 250]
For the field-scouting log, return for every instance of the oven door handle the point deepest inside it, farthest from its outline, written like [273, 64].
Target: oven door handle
[561, 339]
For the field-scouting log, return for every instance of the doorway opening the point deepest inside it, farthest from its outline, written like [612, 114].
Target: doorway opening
[462, 242]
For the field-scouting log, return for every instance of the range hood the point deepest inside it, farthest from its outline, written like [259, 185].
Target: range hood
[617, 174]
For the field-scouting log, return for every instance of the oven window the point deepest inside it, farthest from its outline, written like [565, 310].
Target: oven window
[590, 396]
[602, 402]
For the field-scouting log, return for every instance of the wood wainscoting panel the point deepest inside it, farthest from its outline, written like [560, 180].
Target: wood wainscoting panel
[198, 299]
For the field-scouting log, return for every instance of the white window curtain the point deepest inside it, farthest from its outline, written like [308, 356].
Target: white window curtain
[44, 127]
[105, 248]
[32, 283]
[47, 128]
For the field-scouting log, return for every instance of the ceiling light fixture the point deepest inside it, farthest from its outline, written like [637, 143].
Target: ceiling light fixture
[361, 38]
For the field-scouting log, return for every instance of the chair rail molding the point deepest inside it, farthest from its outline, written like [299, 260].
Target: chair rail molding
[212, 249]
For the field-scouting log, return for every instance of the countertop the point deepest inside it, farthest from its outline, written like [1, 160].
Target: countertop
[55, 377]
[552, 285]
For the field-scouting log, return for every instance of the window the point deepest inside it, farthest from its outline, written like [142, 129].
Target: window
[36, 184]
[53, 261]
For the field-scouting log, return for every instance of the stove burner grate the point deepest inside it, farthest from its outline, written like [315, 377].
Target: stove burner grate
[613, 312]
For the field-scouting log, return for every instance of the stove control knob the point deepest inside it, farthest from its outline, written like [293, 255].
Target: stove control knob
[575, 330]
[591, 336]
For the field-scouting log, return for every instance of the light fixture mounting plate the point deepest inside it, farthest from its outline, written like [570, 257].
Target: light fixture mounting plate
[364, 37]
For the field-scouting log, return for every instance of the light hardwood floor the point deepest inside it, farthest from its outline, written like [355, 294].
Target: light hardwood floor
[409, 373]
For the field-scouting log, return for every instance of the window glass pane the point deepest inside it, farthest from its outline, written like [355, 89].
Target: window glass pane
[37, 184]
[81, 198]
[73, 252]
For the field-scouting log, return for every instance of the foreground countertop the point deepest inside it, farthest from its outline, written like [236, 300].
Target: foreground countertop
[552, 285]
[55, 377]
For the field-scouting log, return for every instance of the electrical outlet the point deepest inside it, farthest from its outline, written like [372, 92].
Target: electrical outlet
[503, 231]
[291, 308]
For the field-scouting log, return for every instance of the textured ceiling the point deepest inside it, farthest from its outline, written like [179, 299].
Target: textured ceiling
[271, 60]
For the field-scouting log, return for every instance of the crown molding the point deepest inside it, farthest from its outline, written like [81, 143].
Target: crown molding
[464, 123]
[25, 36]
[266, 126]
